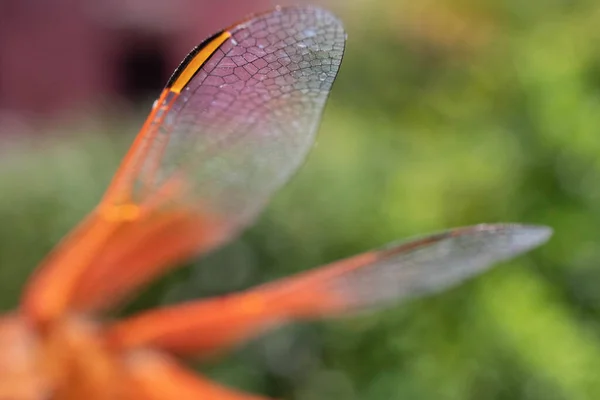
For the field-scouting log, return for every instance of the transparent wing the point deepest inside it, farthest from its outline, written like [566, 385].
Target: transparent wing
[370, 280]
[235, 120]
[238, 116]
[427, 265]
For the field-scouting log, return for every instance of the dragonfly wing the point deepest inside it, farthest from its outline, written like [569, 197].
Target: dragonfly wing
[370, 280]
[238, 116]
[420, 267]
[234, 122]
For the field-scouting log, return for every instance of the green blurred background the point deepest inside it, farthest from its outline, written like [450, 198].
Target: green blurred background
[445, 113]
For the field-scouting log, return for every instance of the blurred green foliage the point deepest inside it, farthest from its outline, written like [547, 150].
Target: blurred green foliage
[444, 114]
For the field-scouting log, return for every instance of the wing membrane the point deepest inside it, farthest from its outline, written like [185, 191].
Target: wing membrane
[234, 122]
[370, 280]
[245, 120]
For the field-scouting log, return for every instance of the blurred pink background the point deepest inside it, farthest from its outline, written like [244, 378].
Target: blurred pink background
[70, 55]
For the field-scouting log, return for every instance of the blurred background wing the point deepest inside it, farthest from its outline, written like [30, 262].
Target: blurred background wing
[373, 279]
[419, 267]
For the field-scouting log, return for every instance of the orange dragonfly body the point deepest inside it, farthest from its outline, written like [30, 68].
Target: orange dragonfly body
[235, 120]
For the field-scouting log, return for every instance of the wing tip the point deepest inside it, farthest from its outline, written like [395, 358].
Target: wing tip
[521, 237]
[527, 236]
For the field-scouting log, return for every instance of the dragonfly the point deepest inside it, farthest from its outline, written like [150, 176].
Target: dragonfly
[235, 120]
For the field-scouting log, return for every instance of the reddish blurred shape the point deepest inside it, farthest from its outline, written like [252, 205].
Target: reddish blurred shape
[59, 55]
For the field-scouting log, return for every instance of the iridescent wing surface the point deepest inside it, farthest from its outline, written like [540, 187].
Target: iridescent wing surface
[238, 116]
[235, 120]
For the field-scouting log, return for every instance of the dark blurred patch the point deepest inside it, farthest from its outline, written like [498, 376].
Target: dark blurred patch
[141, 66]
